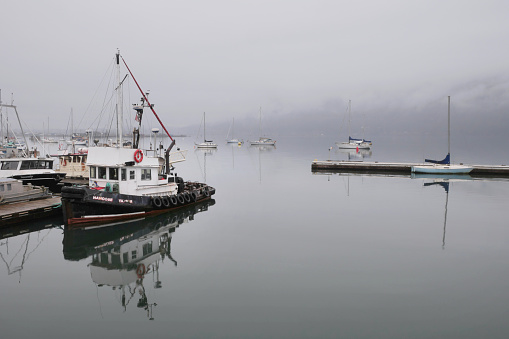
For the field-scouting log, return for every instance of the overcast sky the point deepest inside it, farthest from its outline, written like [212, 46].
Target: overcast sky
[229, 58]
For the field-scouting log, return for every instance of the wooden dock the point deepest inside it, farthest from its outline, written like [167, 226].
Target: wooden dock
[19, 212]
[397, 168]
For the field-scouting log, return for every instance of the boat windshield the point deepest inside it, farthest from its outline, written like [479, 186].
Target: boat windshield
[36, 164]
[10, 165]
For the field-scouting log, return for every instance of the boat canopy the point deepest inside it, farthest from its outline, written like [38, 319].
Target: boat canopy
[350, 139]
[445, 161]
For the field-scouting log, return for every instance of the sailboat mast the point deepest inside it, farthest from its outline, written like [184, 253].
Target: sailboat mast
[119, 104]
[349, 119]
[204, 137]
[260, 124]
[449, 126]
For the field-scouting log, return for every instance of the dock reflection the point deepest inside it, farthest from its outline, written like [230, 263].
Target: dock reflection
[127, 256]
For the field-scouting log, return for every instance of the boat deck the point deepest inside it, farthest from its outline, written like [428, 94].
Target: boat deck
[18, 212]
[401, 168]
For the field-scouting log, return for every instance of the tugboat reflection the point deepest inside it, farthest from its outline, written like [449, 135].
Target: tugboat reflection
[126, 255]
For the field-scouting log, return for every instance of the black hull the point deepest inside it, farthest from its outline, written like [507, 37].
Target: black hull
[50, 180]
[83, 206]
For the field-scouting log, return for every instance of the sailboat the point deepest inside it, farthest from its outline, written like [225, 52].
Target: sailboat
[126, 184]
[47, 139]
[262, 141]
[353, 143]
[206, 143]
[233, 140]
[444, 166]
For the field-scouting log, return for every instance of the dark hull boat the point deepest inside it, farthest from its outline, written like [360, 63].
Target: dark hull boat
[130, 183]
[84, 206]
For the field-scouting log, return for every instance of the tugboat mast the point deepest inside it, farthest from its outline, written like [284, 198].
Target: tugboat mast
[119, 104]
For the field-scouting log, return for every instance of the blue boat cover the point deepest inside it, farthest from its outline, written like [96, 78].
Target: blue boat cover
[350, 139]
[446, 161]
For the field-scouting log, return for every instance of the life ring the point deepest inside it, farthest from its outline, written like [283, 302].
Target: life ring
[166, 202]
[180, 199]
[138, 155]
[140, 270]
[64, 162]
[157, 202]
[173, 200]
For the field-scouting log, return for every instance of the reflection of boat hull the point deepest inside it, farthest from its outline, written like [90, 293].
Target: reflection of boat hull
[442, 169]
[83, 242]
[83, 206]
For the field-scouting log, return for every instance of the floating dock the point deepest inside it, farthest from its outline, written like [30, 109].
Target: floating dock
[398, 168]
[18, 212]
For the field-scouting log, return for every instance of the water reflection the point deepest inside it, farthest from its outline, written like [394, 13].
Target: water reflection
[19, 243]
[355, 154]
[127, 257]
[207, 152]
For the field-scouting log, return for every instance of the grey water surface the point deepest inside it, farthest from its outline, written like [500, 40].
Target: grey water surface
[281, 253]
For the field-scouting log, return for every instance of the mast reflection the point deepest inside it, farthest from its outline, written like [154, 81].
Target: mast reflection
[126, 257]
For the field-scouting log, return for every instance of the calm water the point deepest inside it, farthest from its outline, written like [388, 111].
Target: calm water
[282, 253]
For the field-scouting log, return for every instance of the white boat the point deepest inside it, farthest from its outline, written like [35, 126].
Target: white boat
[206, 143]
[443, 166]
[35, 171]
[130, 183]
[353, 143]
[232, 140]
[442, 169]
[262, 141]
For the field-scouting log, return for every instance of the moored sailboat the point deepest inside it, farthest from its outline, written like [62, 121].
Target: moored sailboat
[444, 166]
[262, 141]
[130, 183]
[353, 143]
[206, 143]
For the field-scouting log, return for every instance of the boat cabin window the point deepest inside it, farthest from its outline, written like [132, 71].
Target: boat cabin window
[101, 172]
[9, 187]
[124, 174]
[10, 165]
[93, 171]
[133, 254]
[2, 188]
[147, 248]
[113, 173]
[131, 175]
[145, 174]
[35, 164]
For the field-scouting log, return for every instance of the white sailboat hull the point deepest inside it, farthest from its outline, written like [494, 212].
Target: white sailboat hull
[206, 145]
[269, 142]
[353, 145]
[442, 169]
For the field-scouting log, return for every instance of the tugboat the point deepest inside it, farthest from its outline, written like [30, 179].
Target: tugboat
[130, 183]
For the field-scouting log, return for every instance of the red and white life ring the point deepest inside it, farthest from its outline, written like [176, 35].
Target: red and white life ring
[140, 270]
[138, 155]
